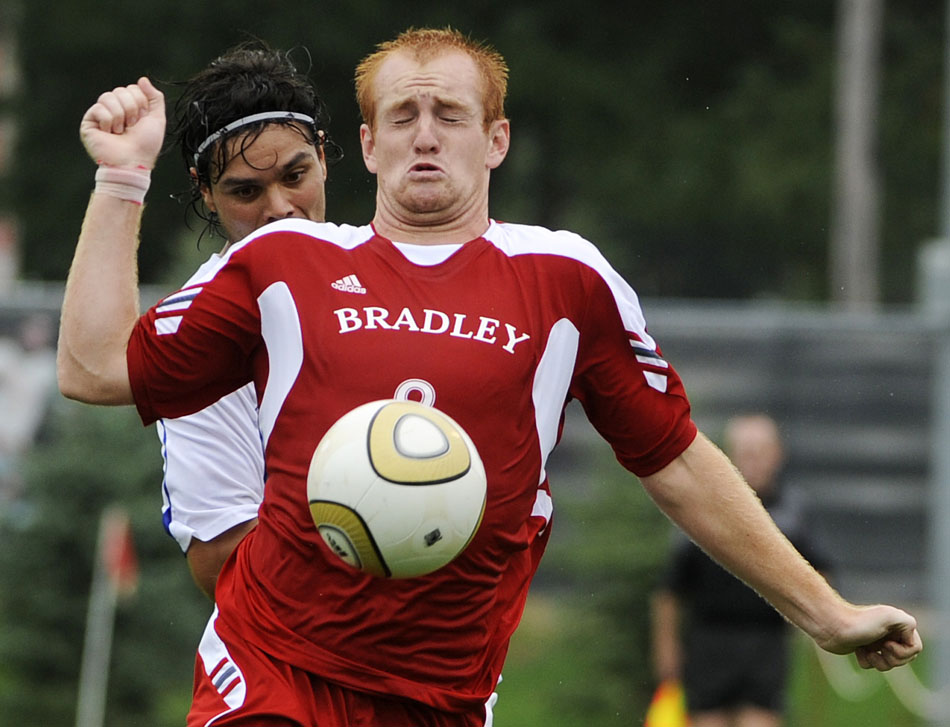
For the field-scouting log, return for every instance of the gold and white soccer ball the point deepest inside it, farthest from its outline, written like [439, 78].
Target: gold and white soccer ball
[396, 488]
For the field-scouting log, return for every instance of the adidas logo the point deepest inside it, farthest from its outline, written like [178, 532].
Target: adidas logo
[349, 284]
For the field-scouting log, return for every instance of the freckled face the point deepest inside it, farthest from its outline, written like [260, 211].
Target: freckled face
[279, 175]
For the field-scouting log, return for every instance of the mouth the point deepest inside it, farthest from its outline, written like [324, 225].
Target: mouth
[424, 169]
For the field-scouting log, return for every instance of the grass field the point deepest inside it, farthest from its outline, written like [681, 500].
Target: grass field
[551, 679]
[859, 698]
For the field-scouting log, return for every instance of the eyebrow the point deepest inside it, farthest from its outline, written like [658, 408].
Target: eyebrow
[295, 160]
[411, 100]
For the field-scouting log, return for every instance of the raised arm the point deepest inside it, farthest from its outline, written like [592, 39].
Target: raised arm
[123, 133]
[705, 496]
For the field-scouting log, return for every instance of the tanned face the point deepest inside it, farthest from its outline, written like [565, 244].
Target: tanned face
[279, 174]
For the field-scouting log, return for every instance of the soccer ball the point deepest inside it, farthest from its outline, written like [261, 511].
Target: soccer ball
[396, 488]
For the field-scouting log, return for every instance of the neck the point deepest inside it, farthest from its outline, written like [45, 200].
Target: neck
[439, 227]
[420, 234]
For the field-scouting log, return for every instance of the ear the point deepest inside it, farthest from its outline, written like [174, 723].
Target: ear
[499, 139]
[368, 145]
[206, 195]
[322, 156]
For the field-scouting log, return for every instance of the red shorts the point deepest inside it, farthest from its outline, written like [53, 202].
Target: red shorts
[238, 685]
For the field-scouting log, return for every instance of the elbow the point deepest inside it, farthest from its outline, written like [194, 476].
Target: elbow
[80, 384]
[71, 384]
[70, 389]
[66, 378]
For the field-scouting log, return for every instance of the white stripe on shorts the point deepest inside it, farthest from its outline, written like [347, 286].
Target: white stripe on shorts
[221, 669]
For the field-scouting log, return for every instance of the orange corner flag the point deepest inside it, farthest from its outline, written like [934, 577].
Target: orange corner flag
[117, 552]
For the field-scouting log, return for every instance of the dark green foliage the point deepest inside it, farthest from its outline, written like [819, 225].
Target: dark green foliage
[90, 459]
[692, 141]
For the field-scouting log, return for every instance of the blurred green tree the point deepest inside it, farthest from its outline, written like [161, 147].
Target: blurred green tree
[88, 459]
[692, 142]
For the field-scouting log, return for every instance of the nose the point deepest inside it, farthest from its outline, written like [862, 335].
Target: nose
[278, 205]
[426, 139]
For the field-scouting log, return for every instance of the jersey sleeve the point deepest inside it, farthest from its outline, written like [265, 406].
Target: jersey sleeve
[196, 345]
[631, 394]
[213, 468]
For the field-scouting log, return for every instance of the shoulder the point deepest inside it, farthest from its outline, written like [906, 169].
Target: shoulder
[580, 254]
[345, 236]
[517, 239]
[256, 251]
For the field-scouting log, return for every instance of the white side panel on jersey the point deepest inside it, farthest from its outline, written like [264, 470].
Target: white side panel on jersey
[551, 381]
[549, 392]
[280, 329]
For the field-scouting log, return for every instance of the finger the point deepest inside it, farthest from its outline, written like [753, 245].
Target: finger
[869, 658]
[911, 638]
[904, 650]
[884, 657]
[107, 113]
[148, 89]
[116, 109]
[133, 103]
[862, 655]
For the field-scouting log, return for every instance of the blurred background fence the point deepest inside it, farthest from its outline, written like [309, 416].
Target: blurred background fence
[853, 395]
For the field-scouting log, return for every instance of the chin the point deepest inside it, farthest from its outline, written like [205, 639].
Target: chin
[428, 203]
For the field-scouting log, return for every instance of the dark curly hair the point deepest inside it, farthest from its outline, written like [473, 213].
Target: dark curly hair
[248, 79]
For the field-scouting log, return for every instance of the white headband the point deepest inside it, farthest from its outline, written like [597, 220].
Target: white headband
[244, 121]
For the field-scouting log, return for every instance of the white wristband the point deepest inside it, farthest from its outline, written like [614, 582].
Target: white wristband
[126, 183]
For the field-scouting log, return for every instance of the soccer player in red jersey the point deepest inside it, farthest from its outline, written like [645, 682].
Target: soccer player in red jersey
[499, 325]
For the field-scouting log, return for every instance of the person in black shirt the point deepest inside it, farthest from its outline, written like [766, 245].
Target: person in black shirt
[726, 644]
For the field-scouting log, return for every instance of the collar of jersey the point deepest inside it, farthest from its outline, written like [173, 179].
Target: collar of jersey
[466, 252]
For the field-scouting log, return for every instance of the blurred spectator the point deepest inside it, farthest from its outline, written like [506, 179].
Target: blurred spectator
[727, 646]
[27, 383]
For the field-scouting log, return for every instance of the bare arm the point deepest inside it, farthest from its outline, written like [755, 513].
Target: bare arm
[124, 130]
[705, 496]
[205, 558]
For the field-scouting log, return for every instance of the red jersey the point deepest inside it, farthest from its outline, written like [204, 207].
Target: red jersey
[500, 336]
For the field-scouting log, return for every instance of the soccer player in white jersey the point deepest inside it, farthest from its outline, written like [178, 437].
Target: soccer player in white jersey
[499, 324]
[246, 105]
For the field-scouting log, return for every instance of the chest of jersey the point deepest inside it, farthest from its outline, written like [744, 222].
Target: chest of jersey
[466, 336]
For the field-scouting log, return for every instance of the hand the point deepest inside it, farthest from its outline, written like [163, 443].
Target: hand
[881, 638]
[126, 126]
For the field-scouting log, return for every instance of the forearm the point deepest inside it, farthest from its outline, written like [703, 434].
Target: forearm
[100, 305]
[705, 496]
